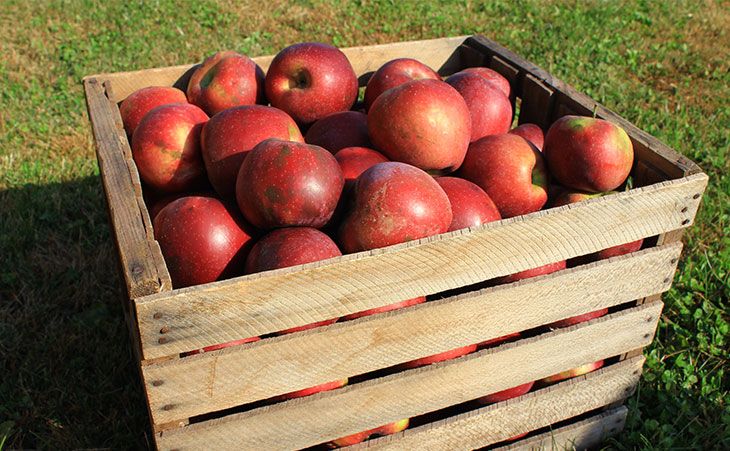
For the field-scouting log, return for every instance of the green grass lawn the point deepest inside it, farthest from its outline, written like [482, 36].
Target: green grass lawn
[67, 374]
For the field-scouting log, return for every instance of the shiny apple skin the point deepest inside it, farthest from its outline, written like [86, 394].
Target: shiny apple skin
[506, 394]
[385, 308]
[534, 272]
[285, 183]
[166, 147]
[395, 73]
[470, 205]
[532, 133]
[493, 77]
[142, 101]
[225, 80]
[394, 203]
[490, 110]
[231, 134]
[340, 130]
[202, 240]
[355, 160]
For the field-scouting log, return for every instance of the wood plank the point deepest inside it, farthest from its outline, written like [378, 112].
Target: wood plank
[509, 72]
[142, 272]
[221, 379]
[584, 434]
[326, 416]
[499, 422]
[537, 103]
[267, 302]
[436, 53]
[659, 154]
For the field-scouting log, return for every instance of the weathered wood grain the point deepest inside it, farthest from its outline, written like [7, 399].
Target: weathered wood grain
[219, 312]
[537, 103]
[437, 53]
[325, 416]
[139, 255]
[499, 422]
[584, 434]
[221, 379]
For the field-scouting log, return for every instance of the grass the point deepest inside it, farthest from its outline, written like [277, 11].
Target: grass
[68, 379]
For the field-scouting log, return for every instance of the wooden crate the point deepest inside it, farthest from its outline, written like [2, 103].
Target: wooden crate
[214, 400]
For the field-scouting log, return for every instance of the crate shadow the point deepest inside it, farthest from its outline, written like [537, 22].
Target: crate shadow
[68, 375]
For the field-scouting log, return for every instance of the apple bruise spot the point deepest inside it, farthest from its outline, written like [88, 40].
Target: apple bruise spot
[281, 157]
[274, 194]
[208, 77]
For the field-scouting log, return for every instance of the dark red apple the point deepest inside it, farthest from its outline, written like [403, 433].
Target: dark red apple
[470, 205]
[144, 100]
[311, 80]
[225, 80]
[493, 77]
[532, 133]
[534, 272]
[355, 160]
[202, 240]
[440, 357]
[222, 346]
[588, 154]
[494, 342]
[621, 249]
[385, 308]
[424, 123]
[340, 130]
[510, 170]
[395, 73]
[229, 136]
[354, 439]
[166, 147]
[506, 394]
[583, 369]
[285, 183]
[290, 246]
[394, 203]
[490, 110]
[578, 319]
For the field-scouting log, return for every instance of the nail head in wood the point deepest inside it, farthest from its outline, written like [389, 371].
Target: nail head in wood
[696, 196]
[162, 340]
[666, 280]
[685, 222]
[647, 335]
[684, 210]
[157, 383]
[168, 407]
[164, 330]
[157, 316]
[673, 261]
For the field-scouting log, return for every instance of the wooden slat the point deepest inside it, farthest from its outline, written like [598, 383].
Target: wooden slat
[226, 378]
[537, 103]
[436, 53]
[294, 424]
[261, 303]
[499, 422]
[509, 72]
[139, 254]
[584, 434]
[659, 154]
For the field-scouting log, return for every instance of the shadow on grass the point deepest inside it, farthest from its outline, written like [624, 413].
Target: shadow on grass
[68, 376]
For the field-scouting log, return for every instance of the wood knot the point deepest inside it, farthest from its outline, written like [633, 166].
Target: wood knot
[162, 340]
[168, 407]
[157, 315]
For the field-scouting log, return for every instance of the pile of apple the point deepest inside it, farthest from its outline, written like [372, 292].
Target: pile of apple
[249, 172]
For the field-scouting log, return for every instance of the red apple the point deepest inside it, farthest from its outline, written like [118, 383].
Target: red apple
[340, 130]
[493, 77]
[222, 346]
[588, 154]
[490, 110]
[355, 160]
[202, 240]
[224, 80]
[144, 100]
[583, 369]
[394, 203]
[578, 319]
[229, 136]
[354, 439]
[166, 147]
[532, 133]
[311, 80]
[494, 342]
[470, 205]
[385, 308]
[395, 73]
[510, 170]
[424, 123]
[285, 183]
[534, 272]
[621, 249]
[311, 390]
[506, 394]
[440, 357]
[290, 246]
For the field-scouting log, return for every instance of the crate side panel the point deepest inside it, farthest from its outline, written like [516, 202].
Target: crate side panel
[221, 379]
[253, 305]
[527, 413]
[584, 434]
[140, 256]
[326, 416]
